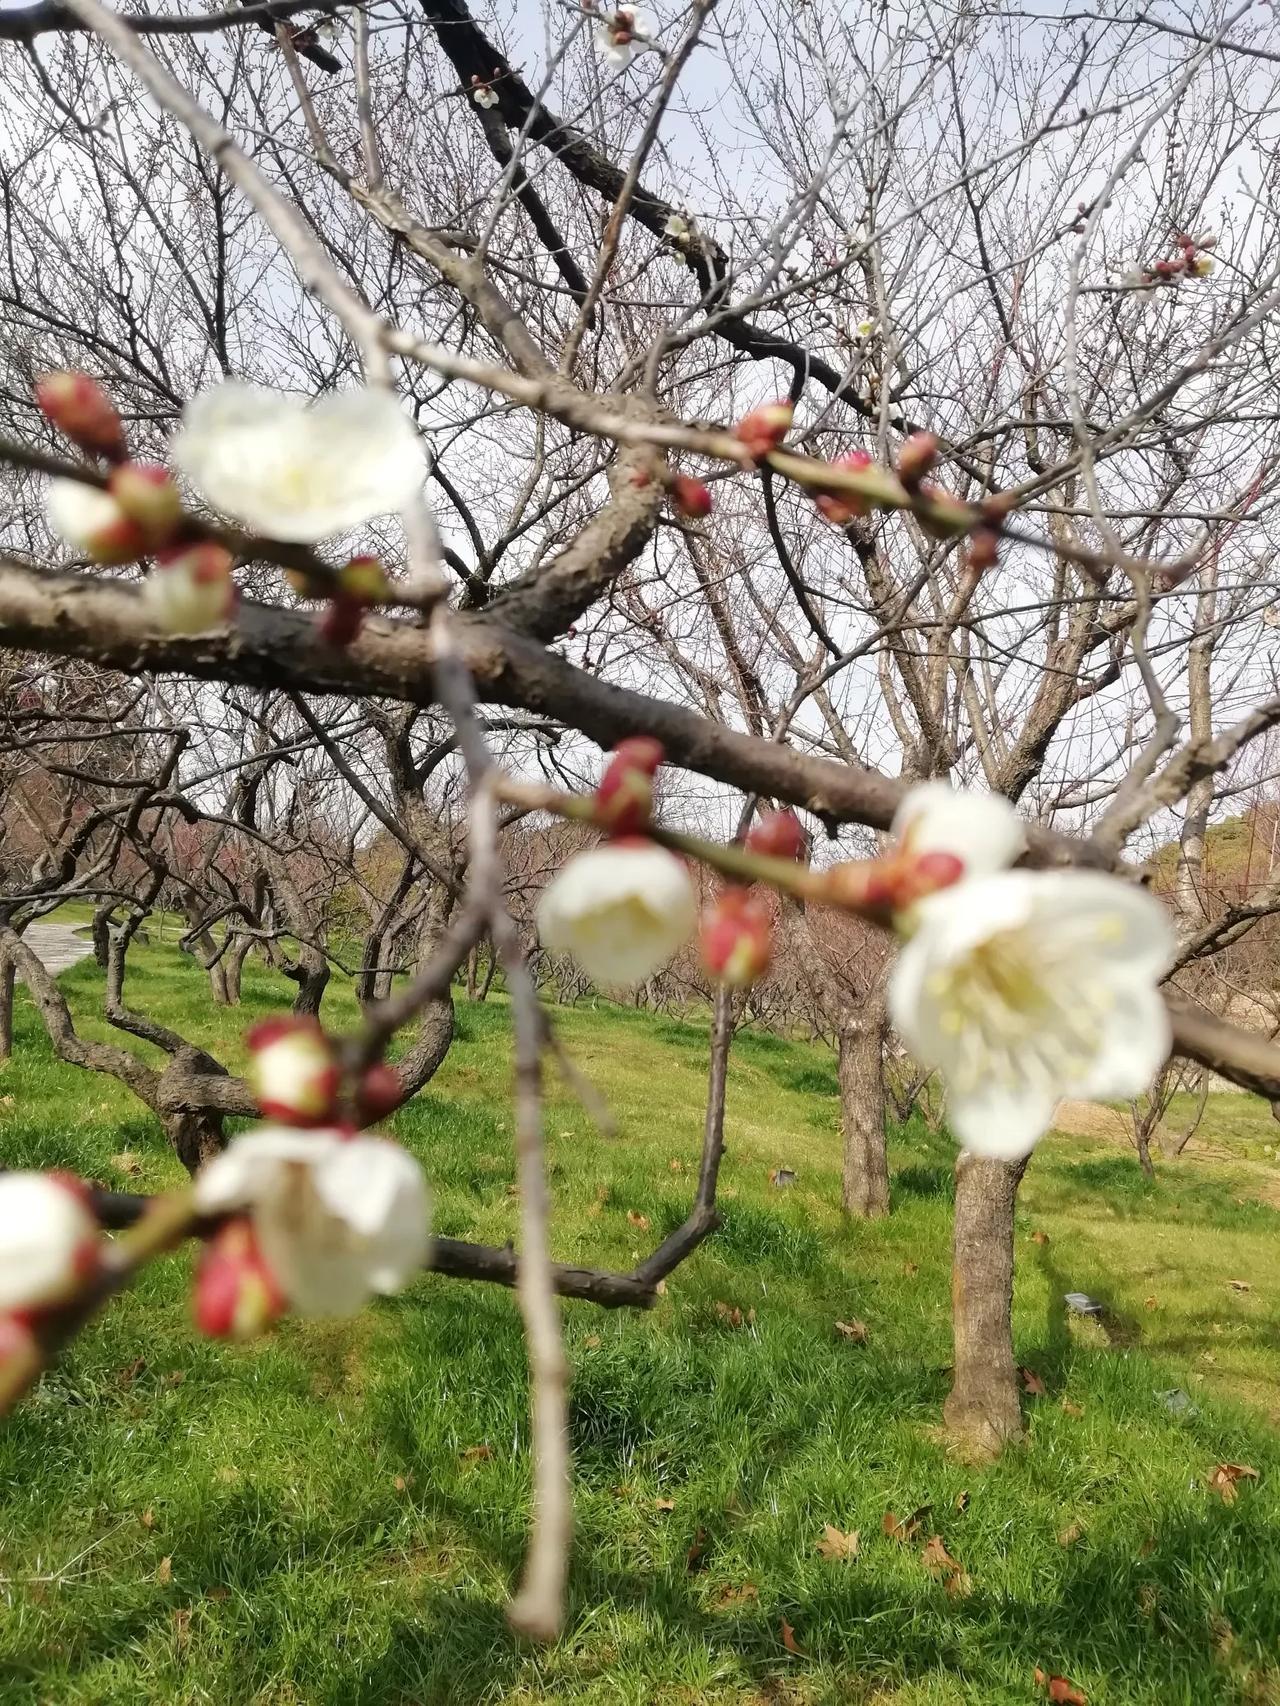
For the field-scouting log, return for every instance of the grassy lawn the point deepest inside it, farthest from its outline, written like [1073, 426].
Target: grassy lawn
[335, 1514]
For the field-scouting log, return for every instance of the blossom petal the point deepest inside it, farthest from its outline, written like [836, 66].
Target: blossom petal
[1112, 923]
[621, 912]
[43, 1227]
[1136, 1041]
[982, 830]
[1001, 1122]
[237, 1177]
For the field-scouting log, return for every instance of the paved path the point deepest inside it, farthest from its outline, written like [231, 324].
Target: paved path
[56, 946]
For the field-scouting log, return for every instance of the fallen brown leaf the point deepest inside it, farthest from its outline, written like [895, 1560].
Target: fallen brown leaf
[664, 1504]
[1239, 1285]
[639, 1221]
[738, 1596]
[855, 1330]
[693, 1557]
[1071, 1409]
[962, 1500]
[789, 1639]
[1031, 1382]
[676, 1166]
[181, 1626]
[164, 1571]
[1147, 1597]
[935, 1557]
[908, 1528]
[1223, 1480]
[175, 1377]
[592, 1342]
[910, 1268]
[958, 1585]
[127, 1376]
[403, 1483]
[475, 1454]
[1039, 1237]
[732, 1316]
[1060, 1690]
[127, 1163]
[148, 1519]
[1151, 1303]
[1070, 1534]
[837, 1546]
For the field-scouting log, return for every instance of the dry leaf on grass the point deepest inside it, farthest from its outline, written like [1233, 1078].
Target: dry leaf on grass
[1223, 1480]
[908, 1528]
[181, 1627]
[1039, 1237]
[836, 1545]
[693, 1557]
[127, 1163]
[676, 1166]
[951, 1572]
[855, 1330]
[639, 1221]
[1070, 1534]
[743, 1595]
[789, 1639]
[1239, 1285]
[592, 1342]
[474, 1454]
[148, 1519]
[1060, 1689]
[1151, 1303]
[664, 1504]
[403, 1483]
[164, 1571]
[732, 1316]
[1031, 1382]
[910, 1268]
[962, 1500]
[1071, 1409]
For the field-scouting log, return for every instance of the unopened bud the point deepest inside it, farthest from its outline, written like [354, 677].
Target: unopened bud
[340, 622]
[917, 456]
[80, 408]
[984, 549]
[381, 1092]
[841, 507]
[292, 1071]
[624, 797]
[763, 429]
[736, 938]
[236, 1294]
[148, 495]
[779, 835]
[190, 590]
[692, 499]
[364, 581]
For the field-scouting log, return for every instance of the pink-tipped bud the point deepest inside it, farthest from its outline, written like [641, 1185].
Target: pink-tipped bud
[917, 456]
[779, 835]
[624, 798]
[149, 496]
[692, 499]
[80, 408]
[292, 1071]
[763, 429]
[191, 590]
[843, 507]
[236, 1294]
[924, 874]
[984, 549]
[363, 581]
[381, 1092]
[340, 622]
[736, 938]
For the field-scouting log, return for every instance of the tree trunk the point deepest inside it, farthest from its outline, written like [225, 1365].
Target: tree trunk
[865, 1186]
[982, 1410]
[196, 1137]
[1144, 1152]
[101, 933]
[7, 974]
[233, 961]
[473, 972]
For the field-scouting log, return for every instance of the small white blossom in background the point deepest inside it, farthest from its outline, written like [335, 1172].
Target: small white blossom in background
[983, 831]
[622, 35]
[337, 1219]
[297, 471]
[190, 590]
[677, 229]
[49, 1240]
[484, 96]
[1023, 987]
[620, 910]
[864, 328]
[90, 520]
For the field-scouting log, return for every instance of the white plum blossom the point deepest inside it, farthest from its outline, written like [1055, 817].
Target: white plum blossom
[864, 328]
[91, 520]
[1023, 987]
[338, 1219]
[623, 33]
[295, 471]
[677, 229]
[484, 96]
[620, 910]
[190, 590]
[48, 1239]
[982, 830]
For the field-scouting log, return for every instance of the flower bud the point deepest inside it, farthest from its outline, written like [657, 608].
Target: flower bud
[190, 590]
[841, 507]
[364, 581]
[92, 521]
[80, 408]
[381, 1092]
[49, 1239]
[292, 1071]
[763, 429]
[736, 938]
[236, 1295]
[984, 549]
[305, 584]
[624, 798]
[340, 622]
[779, 835]
[692, 499]
[148, 495]
[918, 454]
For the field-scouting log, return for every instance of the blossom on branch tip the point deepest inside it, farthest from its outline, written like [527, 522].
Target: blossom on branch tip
[92, 521]
[295, 471]
[80, 408]
[1023, 987]
[149, 496]
[623, 799]
[736, 937]
[49, 1239]
[762, 430]
[190, 589]
[621, 35]
[293, 1071]
[482, 94]
[337, 1219]
[620, 910]
[983, 831]
[236, 1294]
[864, 328]
[677, 229]
[692, 498]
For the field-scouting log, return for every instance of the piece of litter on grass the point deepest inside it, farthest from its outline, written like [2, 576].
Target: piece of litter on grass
[1177, 1402]
[1082, 1304]
[782, 1177]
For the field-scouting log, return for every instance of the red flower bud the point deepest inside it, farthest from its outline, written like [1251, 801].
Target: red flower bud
[381, 1092]
[842, 507]
[340, 622]
[149, 496]
[692, 499]
[764, 429]
[236, 1294]
[624, 798]
[80, 408]
[984, 549]
[918, 454]
[779, 835]
[292, 1071]
[736, 938]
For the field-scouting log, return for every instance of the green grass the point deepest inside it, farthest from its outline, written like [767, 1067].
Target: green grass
[304, 1519]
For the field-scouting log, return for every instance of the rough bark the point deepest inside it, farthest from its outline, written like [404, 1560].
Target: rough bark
[7, 975]
[196, 1137]
[865, 1184]
[983, 1412]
